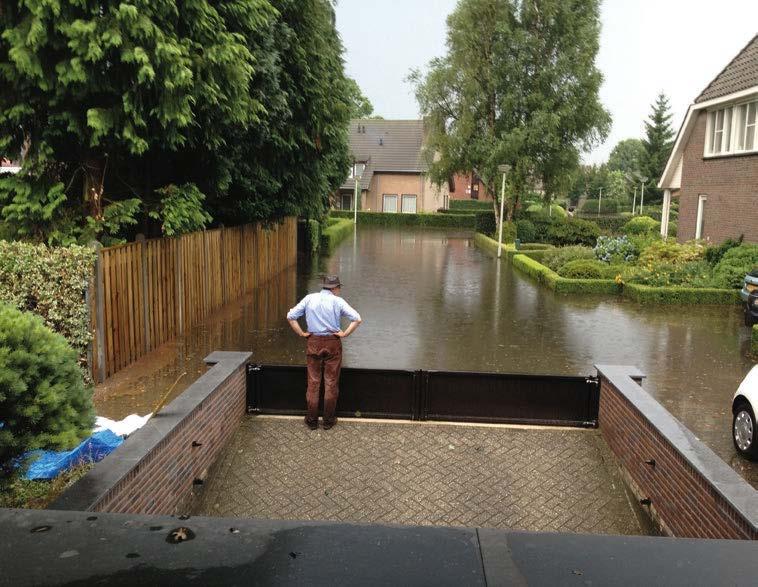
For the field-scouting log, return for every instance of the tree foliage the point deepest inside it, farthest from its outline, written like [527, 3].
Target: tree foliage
[360, 105]
[518, 86]
[243, 103]
[628, 156]
[658, 142]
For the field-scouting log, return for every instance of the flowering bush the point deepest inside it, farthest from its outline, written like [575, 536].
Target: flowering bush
[692, 274]
[670, 252]
[615, 249]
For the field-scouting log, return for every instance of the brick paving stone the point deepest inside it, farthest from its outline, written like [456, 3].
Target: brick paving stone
[420, 474]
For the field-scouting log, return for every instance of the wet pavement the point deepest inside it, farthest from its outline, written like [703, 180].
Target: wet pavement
[431, 300]
[428, 474]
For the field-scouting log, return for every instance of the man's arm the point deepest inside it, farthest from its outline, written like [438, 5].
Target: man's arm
[294, 314]
[355, 319]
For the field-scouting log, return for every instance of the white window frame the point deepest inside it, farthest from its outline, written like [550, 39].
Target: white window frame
[733, 129]
[384, 203]
[700, 222]
[415, 203]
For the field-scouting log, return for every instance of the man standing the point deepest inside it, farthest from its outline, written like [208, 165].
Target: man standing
[323, 311]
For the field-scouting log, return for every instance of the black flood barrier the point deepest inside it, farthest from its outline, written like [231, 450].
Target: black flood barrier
[434, 395]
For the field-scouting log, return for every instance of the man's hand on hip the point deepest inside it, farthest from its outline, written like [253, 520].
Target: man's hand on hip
[340, 334]
[306, 334]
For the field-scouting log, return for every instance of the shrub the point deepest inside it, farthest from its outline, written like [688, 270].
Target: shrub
[433, 220]
[551, 279]
[754, 340]
[470, 205]
[735, 264]
[714, 254]
[661, 251]
[607, 206]
[610, 224]
[542, 210]
[679, 295]
[692, 274]
[313, 235]
[583, 269]
[335, 233]
[526, 231]
[642, 225]
[43, 400]
[557, 258]
[50, 282]
[615, 249]
[574, 232]
[673, 229]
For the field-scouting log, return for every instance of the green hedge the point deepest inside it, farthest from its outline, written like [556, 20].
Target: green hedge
[754, 339]
[464, 221]
[533, 250]
[50, 282]
[470, 205]
[551, 279]
[607, 206]
[611, 224]
[636, 292]
[313, 235]
[333, 235]
[646, 294]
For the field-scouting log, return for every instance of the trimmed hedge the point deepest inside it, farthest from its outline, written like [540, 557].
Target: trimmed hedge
[333, 235]
[464, 221]
[648, 294]
[490, 245]
[486, 224]
[754, 339]
[50, 282]
[313, 235]
[470, 205]
[551, 279]
[610, 224]
[607, 206]
[639, 293]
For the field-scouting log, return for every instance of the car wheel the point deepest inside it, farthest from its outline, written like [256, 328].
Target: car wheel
[744, 431]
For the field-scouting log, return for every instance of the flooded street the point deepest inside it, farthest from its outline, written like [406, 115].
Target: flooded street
[431, 300]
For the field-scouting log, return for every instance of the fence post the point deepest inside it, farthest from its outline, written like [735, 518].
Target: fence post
[224, 289]
[146, 303]
[96, 355]
[179, 273]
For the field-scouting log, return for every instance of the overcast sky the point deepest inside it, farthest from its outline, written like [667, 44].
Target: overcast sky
[647, 46]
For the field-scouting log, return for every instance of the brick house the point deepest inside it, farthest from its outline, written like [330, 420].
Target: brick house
[713, 167]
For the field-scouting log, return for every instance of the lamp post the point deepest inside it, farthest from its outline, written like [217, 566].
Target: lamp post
[504, 169]
[357, 178]
[643, 179]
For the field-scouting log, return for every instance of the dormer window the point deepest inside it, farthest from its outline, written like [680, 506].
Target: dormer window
[732, 130]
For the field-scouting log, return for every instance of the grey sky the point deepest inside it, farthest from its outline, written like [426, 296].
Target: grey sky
[647, 46]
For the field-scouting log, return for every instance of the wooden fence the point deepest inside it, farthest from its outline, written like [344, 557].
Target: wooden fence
[149, 291]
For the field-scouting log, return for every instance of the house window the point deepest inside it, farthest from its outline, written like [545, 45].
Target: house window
[390, 203]
[700, 217]
[409, 204]
[732, 129]
[347, 202]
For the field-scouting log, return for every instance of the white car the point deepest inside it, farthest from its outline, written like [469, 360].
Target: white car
[743, 423]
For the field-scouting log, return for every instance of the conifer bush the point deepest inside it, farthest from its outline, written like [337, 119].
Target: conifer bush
[44, 403]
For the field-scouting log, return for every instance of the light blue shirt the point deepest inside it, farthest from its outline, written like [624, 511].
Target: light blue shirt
[323, 311]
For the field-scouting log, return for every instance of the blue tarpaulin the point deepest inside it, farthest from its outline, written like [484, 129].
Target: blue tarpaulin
[47, 464]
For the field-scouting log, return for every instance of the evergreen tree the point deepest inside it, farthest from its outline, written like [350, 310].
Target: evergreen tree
[162, 112]
[658, 142]
[518, 86]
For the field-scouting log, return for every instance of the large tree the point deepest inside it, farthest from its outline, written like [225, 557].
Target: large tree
[658, 141]
[518, 86]
[130, 110]
[628, 156]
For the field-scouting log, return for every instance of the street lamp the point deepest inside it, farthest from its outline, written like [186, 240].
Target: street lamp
[643, 179]
[357, 178]
[504, 169]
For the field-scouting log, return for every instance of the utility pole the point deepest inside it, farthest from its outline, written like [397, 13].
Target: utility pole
[357, 178]
[642, 198]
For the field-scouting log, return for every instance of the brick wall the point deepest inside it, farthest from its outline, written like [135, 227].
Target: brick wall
[731, 184]
[429, 198]
[684, 501]
[154, 470]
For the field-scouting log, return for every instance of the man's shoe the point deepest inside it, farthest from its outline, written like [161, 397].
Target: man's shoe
[311, 425]
[331, 424]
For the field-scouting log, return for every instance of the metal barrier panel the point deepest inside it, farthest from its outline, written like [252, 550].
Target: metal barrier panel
[434, 395]
[368, 393]
[514, 399]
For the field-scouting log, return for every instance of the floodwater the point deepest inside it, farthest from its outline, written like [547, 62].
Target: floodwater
[431, 300]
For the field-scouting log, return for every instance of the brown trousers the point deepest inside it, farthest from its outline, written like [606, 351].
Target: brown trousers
[323, 353]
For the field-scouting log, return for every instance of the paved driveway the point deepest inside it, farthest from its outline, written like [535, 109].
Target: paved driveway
[421, 474]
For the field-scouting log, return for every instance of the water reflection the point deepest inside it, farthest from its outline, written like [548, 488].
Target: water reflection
[430, 300]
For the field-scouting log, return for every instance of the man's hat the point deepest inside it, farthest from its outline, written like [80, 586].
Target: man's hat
[330, 282]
